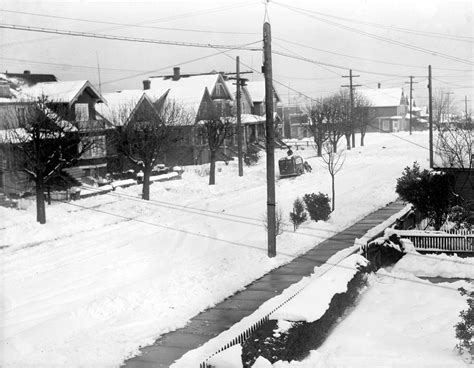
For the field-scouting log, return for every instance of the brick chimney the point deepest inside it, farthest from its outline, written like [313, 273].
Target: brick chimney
[146, 84]
[378, 85]
[176, 73]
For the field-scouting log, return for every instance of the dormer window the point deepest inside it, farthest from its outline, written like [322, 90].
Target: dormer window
[218, 91]
[82, 111]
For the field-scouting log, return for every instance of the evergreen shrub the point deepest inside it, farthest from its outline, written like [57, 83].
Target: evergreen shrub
[317, 206]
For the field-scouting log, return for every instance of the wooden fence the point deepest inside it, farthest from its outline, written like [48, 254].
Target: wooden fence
[459, 241]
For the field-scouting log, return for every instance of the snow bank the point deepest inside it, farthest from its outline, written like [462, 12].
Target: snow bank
[400, 321]
[436, 265]
[228, 358]
[314, 299]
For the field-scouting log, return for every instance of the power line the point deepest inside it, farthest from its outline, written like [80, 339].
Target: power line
[220, 52]
[399, 29]
[121, 38]
[380, 38]
[179, 16]
[333, 65]
[23, 61]
[349, 56]
[126, 25]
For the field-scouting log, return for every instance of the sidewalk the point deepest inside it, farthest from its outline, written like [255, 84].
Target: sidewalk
[213, 321]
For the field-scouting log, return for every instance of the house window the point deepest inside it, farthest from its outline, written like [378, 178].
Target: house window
[21, 115]
[82, 111]
[396, 127]
[386, 125]
[96, 149]
[218, 91]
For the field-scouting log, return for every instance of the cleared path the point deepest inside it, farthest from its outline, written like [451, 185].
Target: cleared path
[212, 322]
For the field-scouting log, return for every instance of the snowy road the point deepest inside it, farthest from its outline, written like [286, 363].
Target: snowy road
[92, 285]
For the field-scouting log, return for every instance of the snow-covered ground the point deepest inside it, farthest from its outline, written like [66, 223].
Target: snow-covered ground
[400, 321]
[110, 273]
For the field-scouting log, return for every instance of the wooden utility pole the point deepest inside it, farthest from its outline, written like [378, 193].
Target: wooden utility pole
[239, 118]
[430, 112]
[351, 92]
[411, 101]
[270, 139]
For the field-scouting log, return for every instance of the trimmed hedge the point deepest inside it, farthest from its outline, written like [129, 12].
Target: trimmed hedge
[302, 337]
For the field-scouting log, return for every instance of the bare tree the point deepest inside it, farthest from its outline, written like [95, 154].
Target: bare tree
[454, 146]
[443, 108]
[317, 119]
[333, 160]
[43, 143]
[362, 115]
[149, 132]
[216, 130]
[338, 117]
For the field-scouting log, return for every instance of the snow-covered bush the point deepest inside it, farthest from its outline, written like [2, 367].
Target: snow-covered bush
[465, 328]
[295, 343]
[429, 192]
[251, 157]
[385, 250]
[298, 215]
[317, 206]
[460, 217]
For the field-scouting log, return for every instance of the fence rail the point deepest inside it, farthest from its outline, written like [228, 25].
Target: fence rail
[452, 241]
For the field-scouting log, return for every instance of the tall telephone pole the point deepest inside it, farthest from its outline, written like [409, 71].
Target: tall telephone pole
[351, 92]
[239, 116]
[430, 113]
[270, 139]
[411, 101]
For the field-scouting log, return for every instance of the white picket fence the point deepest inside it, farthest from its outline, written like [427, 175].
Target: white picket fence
[459, 241]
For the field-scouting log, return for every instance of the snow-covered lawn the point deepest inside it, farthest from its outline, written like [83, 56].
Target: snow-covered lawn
[110, 273]
[400, 321]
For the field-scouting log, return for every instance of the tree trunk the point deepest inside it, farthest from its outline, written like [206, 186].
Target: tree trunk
[362, 135]
[348, 141]
[319, 144]
[146, 183]
[333, 202]
[334, 146]
[353, 139]
[212, 169]
[49, 195]
[40, 207]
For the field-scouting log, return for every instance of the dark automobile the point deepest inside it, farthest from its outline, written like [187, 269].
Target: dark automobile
[291, 166]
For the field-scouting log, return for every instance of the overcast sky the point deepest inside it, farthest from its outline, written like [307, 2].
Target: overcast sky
[333, 32]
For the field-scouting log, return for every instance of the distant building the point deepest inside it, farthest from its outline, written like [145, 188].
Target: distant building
[76, 98]
[389, 109]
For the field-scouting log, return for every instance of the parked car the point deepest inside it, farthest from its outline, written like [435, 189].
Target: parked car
[291, 166]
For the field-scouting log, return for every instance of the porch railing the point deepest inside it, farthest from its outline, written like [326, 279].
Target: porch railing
[459, 241]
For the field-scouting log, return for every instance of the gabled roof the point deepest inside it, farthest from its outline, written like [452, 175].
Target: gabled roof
[187, 90]
[31, 79]
[256, 90]
[121, 105]
[383, 97]
[62, 91]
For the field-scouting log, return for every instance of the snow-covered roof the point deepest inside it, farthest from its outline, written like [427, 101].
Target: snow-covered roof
[120, 104]
[62, 91]
[187, 90]
[382, 96]
[256, 90]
